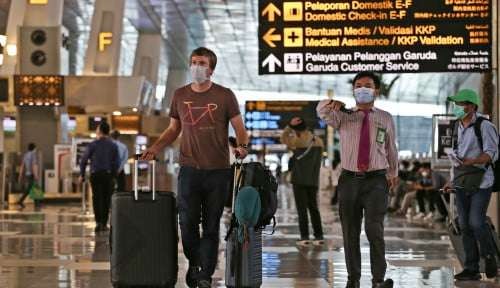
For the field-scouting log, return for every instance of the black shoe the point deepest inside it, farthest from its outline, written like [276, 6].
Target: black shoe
[204, 283]
[490, 266]
[392, 209]
[352, 284]
[192, 276]
[388, 283]
[468, 275]
[98, 228]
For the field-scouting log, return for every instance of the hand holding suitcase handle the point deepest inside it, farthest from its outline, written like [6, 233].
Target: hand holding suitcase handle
[152, 162]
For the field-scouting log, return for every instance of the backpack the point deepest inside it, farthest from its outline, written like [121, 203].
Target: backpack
[479, 136]
[257, 176]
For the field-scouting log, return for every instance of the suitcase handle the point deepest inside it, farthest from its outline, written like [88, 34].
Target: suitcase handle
[237, 178]
[152, 179]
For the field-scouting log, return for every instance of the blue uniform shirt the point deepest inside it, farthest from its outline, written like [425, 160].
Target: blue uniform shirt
[103, 155]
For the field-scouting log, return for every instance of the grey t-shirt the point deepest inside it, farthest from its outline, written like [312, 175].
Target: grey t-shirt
[29, 159]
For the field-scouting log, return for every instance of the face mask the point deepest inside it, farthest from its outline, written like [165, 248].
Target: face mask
[425, 174]
[459, 112]
[364, 95]
[199, 74]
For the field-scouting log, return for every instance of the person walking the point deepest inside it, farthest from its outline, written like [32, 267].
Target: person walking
[28, 173]
[307, 155]
[104, 164]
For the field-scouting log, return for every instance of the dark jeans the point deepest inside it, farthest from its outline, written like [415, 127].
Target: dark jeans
[201, 197]
[472, 207]
[102, 188]
[428, 195]
[369, 196]
[28, 181]
[306, 198]
[120, 182]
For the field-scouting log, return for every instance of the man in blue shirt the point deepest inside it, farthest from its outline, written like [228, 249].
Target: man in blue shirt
[104, 164]
[123, 157]
[473, 196]
[28, 172]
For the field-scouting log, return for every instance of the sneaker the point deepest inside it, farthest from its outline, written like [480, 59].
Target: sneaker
[388, 283]
[318, 242]
[419, 216]
[192, 275]
[491, 268]
[468, 275]
[409, 213]
[429, 216]
[204, 283]
[304, 243]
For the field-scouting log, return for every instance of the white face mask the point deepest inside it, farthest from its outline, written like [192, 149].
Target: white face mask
[199, 74]
[364, 95]
[425, 174]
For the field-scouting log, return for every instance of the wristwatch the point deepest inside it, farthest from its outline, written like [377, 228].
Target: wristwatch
[244, 146]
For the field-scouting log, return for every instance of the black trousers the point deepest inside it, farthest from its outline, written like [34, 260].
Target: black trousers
[201, 197]
[430, 196]
[368, 196]
[120, 182]
[102, 188]
[306, 199]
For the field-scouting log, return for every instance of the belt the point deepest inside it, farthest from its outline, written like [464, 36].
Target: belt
[367, 174]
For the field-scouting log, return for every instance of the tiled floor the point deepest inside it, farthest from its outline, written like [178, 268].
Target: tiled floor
[56, 247]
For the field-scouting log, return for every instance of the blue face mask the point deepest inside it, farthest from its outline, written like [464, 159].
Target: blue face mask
[364, 95]
[459, 112]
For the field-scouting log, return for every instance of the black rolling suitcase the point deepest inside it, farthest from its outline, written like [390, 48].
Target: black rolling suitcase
[243, 262]
[144, 236]
[456, 235]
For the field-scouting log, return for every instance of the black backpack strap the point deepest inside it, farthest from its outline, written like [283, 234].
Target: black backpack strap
[454, 135]
[477, 131]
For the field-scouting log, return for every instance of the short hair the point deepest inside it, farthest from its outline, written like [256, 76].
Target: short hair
[115, 134]
[202, 51]
[104, 128]
[376, 79]
[426, 165]
[31, 146]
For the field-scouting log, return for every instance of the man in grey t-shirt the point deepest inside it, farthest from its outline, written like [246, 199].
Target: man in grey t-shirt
[28, 173]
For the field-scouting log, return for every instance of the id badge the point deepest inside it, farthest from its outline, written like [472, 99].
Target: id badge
[381, 135]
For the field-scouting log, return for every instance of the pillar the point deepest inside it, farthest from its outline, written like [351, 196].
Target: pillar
[103, 52]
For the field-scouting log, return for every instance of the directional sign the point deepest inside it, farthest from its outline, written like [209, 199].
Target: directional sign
[396, 36]
[271, 11]
[271, 61]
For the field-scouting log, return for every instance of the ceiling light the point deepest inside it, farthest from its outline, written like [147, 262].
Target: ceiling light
[135, 109]
[3, 40]
[38, 2]
[117, 113]
[11, 49]
[93, 135]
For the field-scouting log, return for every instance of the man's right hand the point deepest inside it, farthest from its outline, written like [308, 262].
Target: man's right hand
[335, 105]
[150, 153]
[448, 188]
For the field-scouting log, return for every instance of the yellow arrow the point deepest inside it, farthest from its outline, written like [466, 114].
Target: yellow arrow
[270, 38]
[271, 10]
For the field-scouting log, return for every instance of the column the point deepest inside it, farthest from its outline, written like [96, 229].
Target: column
[103, 52]
[147, 59]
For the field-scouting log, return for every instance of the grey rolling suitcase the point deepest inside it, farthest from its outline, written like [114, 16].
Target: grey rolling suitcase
[243, 262]
[456, 235]
[144, 237]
